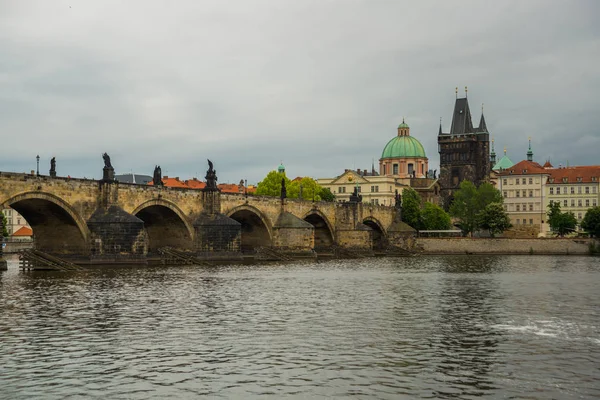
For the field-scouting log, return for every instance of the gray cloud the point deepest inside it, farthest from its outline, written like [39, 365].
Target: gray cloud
[319, 85]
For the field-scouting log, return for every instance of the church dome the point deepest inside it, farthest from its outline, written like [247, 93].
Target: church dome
[403, 146]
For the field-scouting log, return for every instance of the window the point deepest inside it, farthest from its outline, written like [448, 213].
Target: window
[587, 190]
[518, 220]
[578, 189]
[579, 202]
[531, 193]
[558, 190]
[517, 193]
[358, 189]
[524, 193]
[395, 166]
[505, 193]
[578, 215]
[530, 207]
[572, 203]
[517, 181]
[587, 202]
[565, 203]
[594, 189]
[531, 181]
[524, 206]
[504, 181]
[372, 189]
[552, 191]
[518, 207]
[376, 189]
[594, 203]
[531, 222]
[572, 190]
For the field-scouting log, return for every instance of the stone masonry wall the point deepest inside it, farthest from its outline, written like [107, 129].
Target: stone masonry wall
[503, 246]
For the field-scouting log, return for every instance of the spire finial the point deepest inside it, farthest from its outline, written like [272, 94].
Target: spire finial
[402, 119]
[492, 144]
[529, 142]
[482, 108]
[504, 150]
[456, 92]
[466, 91]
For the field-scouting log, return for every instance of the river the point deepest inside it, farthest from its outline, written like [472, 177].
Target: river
[458, 327]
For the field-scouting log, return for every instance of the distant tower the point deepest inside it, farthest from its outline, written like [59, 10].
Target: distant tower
[529, 152]
[493, 155]
[281, 168]
[464, 152]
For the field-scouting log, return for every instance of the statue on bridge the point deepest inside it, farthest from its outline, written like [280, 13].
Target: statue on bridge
[398, 203]
[157, 177]
[211, 178]
[108, 172]
[434, 174]
[355, 197]
[53, 167]
[283, 189]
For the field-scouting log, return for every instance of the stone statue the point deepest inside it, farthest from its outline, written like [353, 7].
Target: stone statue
[434, 173]
[157, 177]
[398, 197]
[108, 172]
[53, 167]
[283, 189]
[211, 178]
[107, 163]
[355, 197]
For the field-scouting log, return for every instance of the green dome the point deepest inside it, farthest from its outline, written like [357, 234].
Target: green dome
[403, 125]
[403, 146]
[504, 163]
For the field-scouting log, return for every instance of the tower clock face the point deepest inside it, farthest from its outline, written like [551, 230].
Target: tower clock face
[350, 178]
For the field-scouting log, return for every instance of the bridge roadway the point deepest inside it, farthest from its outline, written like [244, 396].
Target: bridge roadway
[109, 221]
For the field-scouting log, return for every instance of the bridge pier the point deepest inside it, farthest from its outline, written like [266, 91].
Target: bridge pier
[293, 236]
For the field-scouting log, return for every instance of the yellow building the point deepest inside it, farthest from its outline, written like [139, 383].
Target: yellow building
[576, 189]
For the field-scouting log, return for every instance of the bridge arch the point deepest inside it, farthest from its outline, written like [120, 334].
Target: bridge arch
[256, 228]
[324, 233]
[57, 226]
[165, 224]
[380, 240]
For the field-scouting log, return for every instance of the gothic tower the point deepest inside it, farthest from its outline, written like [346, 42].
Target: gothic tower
[464, 152]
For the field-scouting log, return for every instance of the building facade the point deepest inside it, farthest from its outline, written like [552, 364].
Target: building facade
[464, 151]
[14, 221]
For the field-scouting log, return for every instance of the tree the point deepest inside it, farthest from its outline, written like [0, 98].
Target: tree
[310, 189]
[433, 217]
[470, 201]
[494, 219]
[465, 207]
[591, 221]
[560, 222]
[4, 230]
[271, 184]
[411, 208]
[326, 194]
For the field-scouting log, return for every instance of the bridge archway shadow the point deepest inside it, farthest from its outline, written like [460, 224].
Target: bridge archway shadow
[166, 226]
[255, 229]
[57, 227]
[380, 241]
[324, 238]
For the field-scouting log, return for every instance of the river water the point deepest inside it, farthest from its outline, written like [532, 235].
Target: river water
[459, 327]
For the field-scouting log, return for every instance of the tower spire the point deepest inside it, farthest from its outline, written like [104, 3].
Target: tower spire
[440, 132]
[529, 152]
[493, 154]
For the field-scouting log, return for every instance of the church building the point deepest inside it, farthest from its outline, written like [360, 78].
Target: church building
[464, 151]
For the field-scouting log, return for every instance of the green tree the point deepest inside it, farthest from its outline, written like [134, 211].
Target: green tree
[311, 190]
[560, 222]
[591, 221]
[326, 194]
[271, 184]
[411, 208]
[487, 194]
[4, 226]
[433, 217]
[465, 207]
[494, 219]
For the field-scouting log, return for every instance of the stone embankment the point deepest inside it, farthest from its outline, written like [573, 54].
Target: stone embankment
[505, 246]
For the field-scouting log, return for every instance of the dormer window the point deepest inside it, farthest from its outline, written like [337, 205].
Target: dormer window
[565, 180]
[579, 179]
[594, 179]
[524, 171]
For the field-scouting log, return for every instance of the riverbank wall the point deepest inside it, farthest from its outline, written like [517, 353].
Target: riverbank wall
[506, 246]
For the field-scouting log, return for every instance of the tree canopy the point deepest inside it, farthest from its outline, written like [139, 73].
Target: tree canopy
[591, 221]
[4, 230]
[411, 208]
[560, 222]
[494, 219]
[271, 184]
[433, 217]
[470, 202]
[311, 190]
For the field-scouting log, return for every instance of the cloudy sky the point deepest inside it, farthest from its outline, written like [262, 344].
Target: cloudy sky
[320, 85]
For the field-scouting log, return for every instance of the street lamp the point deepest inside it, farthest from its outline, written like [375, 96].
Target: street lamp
[38, 164]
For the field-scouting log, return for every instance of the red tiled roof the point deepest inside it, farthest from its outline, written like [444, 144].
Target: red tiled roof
[24, 231]
[171, 182]
[229, 188]
[586, 173]
[194, 183]
[524, 168]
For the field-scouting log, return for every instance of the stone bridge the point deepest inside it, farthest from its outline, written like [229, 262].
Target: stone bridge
[100, 221]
